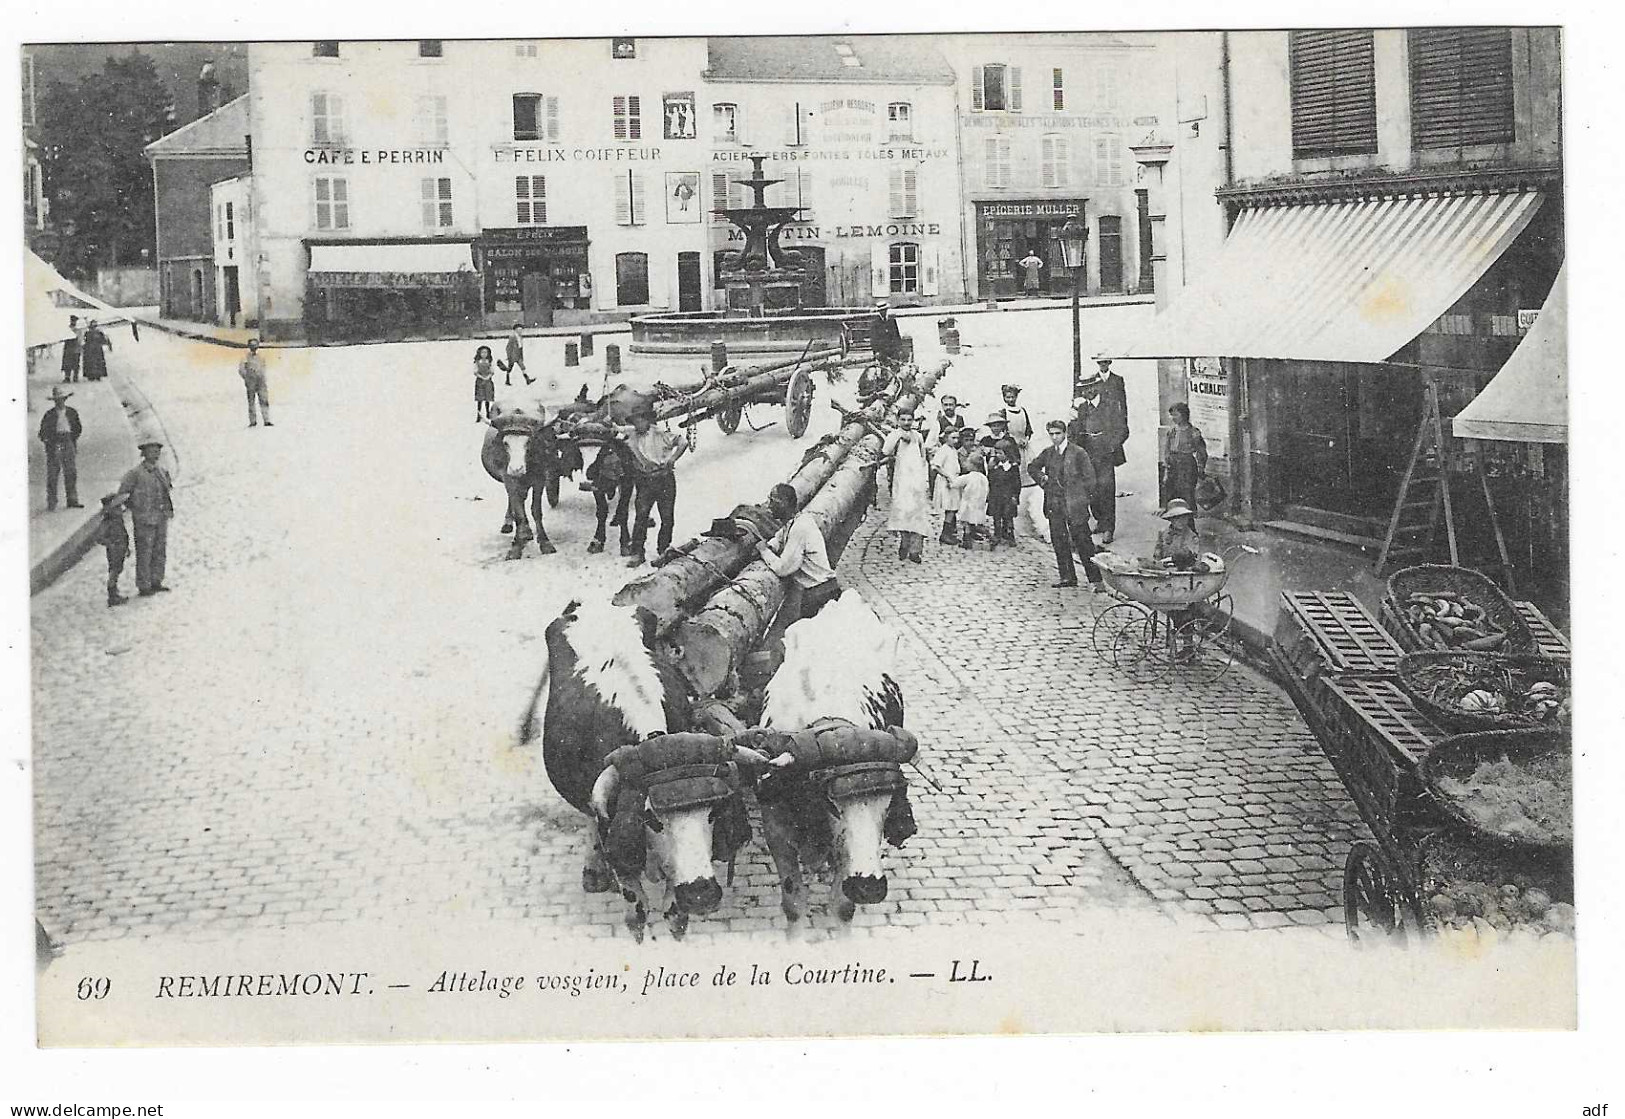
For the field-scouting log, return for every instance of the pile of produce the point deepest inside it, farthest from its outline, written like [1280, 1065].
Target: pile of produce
[1532, 799]
[1513, 694]
[1447, 620]
[1464, 903]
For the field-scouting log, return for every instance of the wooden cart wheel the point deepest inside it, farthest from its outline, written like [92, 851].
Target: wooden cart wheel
[1110, 621]
[728, 418]
[1374, 909]
[798, 398]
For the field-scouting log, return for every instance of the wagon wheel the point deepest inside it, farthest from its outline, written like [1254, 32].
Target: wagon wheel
[728, 418]
[1204, 649]
[798, 397]
[1109, 621]
[1140, 648]
[1374, 905]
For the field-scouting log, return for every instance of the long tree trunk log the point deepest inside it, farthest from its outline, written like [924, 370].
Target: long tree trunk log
[709, 646]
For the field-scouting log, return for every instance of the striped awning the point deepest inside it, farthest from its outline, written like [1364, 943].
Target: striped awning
[1337, 281]
[1528, 401]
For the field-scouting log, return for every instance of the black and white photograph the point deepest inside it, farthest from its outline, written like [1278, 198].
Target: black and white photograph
[958, 533]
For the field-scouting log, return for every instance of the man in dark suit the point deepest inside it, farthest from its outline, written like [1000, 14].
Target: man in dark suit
[59, 430]
[1101, 429]
[1068, 478]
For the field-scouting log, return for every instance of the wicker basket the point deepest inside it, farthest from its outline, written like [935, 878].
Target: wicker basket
[1469, 584]
[1529, 669]
[1461, 754]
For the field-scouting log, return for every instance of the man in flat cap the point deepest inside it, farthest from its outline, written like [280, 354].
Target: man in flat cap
[146, 489]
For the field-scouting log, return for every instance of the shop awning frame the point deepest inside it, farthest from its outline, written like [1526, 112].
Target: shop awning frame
[1527, 402]
[380, 256]
[1349, 281]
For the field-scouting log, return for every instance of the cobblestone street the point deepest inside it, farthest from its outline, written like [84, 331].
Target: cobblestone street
[317, 725]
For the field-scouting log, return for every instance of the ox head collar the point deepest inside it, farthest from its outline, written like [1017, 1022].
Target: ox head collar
[834, 761]
[671, 773]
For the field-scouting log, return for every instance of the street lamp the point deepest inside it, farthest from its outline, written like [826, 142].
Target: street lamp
[1073, 236]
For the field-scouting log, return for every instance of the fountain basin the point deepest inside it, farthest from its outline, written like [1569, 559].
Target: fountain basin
[775, 332]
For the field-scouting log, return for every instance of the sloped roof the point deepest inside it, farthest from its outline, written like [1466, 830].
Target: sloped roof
[900, 59]
[219, 133]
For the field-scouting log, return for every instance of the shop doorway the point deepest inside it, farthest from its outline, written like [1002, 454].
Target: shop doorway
[1008, 233]
[1347, 437]
[234, 304]
[536, 298]
[1111, 253]
[688, 281]
[814, 288]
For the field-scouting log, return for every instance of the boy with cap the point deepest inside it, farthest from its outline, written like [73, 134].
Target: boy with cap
[116, 540]
[59, 430]
[516, 357]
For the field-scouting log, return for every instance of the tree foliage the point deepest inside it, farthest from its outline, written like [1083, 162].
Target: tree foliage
[91, 136]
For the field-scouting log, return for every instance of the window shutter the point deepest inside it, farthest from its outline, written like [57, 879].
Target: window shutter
[879, 262]
[911, 192]
[538, 199]
[620, 118]
[623, 201]
[1015, 88]
[739, 123]
[928, 270]
[719, 192]
[1334, 92]
[1046, 162]
[639, 212]
[521, 197]
[552, 120]
[1060, 91]
[805, 191]
[1461, 86]
[634, 118]
[976, 89]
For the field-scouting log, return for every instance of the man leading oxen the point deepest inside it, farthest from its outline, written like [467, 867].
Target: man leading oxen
[617, 743]
[835, 792]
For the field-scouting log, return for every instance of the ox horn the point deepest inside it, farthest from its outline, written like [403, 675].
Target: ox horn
[603, 791]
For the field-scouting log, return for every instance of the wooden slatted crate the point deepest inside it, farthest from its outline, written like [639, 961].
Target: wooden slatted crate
[1549, 640]
[1383, 739]
[1336, 629]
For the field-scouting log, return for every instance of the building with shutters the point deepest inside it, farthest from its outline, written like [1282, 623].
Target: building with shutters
[860, 131]
[1370, 221]
[1045, 126]
[424, 186]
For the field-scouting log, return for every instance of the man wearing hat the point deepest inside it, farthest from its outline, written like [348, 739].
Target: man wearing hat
[1101, 428]
[652, 455]
[146, 488]
[1068, 478]
[949, 421]
[1020, 424]
[252, 370]
[59, 430]
[886, 339]
[516, 357]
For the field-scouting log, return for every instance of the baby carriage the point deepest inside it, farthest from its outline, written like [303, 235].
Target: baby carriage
[1167, 620]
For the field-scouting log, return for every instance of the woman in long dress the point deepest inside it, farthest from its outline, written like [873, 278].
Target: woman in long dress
[910, 511]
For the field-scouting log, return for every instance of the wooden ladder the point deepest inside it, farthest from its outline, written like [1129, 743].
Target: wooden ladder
[1425, 493]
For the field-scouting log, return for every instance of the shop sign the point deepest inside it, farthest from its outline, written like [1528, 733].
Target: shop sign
[1526, 318]
[349, 157]
[510, 154]
[1001, 122]
[887, 229]
[534, 233]
[387, 279]
[1207, 389]
[1059, 209]
[817, 155]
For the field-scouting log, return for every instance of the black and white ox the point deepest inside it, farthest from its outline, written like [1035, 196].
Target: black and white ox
[615, 724]
[522, 450]
[835, 792]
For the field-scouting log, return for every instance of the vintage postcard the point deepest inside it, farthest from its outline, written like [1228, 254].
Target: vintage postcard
[799, 535]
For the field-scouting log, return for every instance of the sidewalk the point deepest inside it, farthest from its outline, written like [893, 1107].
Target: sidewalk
[56, 540]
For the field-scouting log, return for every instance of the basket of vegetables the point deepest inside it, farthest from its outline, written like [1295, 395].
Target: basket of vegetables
[1465, 691]
[1438, 607]
[1513, 787]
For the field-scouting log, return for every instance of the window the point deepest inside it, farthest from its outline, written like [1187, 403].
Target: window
[1054, 158]
[629, 207]
[530, 199]
[327, 119]
[631, 279]
[231, 224]
[996, 157]
[219, 223]
[903, 275]
[528, 110]
[995, 87]
[430, 48]
[1109, 160]
[1334, 93]
[804, 194]
[524, 50]
[332, 202]
[726, 193]
[1461, 86]
[623, 48]
[1060, 91]
[628, 122]
[324, 48]
[436, 194]
[1108, 81]
[725, 121]
[433, 130]
[904, 184]
[900, 121]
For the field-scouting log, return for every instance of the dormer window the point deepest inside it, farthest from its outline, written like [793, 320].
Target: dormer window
[430, 48]
[325, 48]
